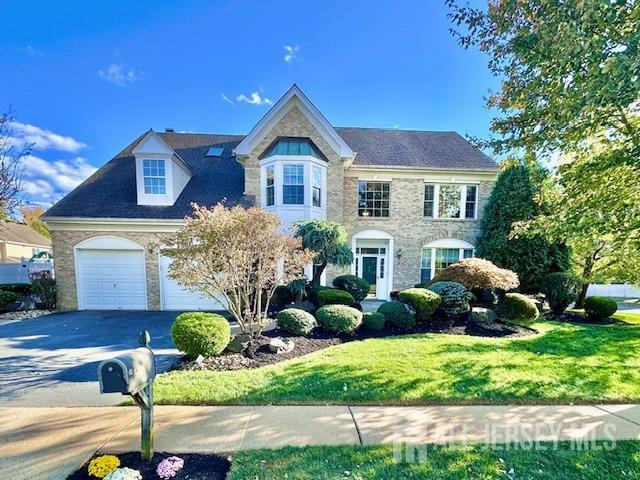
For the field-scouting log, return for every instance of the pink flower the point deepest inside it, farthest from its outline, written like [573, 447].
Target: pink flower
[169, 467]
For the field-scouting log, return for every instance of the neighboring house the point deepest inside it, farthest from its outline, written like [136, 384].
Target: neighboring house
[18, 242]
[410, 201]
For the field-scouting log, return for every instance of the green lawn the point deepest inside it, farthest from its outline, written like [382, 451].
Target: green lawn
[456, 462]
[564, 363]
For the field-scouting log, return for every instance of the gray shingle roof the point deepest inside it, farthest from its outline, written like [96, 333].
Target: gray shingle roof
[414, 148]
[111, 191]
[15, 232]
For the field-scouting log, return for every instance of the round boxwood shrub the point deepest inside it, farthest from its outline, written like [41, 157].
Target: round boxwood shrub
[598, 307]
[396, 315]
[313, 290]
[6, 298]
[455, 297]
[333, 296]
[199, 333]
[373, 320]
[356, 286]
[561, 290]
[424, 302]
[518, 308]
[296, 321]
[339, 318]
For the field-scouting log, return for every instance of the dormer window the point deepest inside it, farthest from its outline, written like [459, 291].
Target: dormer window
[155, 180]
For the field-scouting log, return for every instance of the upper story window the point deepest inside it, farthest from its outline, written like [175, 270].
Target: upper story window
[271, 185]
[293, 184]
[293, 146]
[316, 186]
[154, 177]
[373, 199]
[450, 201]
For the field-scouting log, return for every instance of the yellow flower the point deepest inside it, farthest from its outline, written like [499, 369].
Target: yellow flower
[102, 466]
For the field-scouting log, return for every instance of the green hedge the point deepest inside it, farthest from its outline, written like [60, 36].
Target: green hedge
[397, 316]
[333, 296]
[296, 321]
[19, 288]
[561, 290]
[598, 307]
[314, 290]
[518, 308]
[356, 286]
[6, 298]
[373, 320]
[339, 318]
[424, 302]
[199, 333]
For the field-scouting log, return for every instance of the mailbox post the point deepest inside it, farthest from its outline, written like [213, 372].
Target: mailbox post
[133, 374]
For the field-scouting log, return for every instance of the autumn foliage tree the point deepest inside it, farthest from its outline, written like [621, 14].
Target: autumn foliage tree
[237, 256]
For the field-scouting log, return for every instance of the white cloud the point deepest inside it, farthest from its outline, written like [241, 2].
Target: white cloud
[31, 50]
[45, 182]
[291, 52]
[42, 139]
[120, 75]
[254, 99]
[227, 99]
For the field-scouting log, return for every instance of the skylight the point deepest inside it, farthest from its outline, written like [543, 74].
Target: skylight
[215, 152]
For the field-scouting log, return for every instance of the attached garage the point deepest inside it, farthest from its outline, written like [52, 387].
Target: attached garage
[175, 297]
[110, 274]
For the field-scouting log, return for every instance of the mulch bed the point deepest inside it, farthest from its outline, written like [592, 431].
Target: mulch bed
[259, 355]
[196, 466]
[574, 317]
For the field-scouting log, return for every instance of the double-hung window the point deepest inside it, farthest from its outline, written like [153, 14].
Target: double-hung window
[154, 177]
[450, 201]
[316, 186]
[293, 184]
[373, 199]
[270, 186]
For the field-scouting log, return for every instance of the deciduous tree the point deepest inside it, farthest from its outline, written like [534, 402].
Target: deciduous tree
[11, 158]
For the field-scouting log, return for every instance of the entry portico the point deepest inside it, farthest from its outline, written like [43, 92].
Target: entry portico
[373, 252]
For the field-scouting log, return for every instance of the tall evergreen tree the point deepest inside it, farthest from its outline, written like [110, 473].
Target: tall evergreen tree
[513, 199]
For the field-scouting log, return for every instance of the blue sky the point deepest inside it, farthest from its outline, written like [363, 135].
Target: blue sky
[85, 78]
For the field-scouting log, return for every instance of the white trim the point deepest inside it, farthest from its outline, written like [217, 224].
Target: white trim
[293, 97]
[113, 224]
[463, 201]
[373, 234]
[444, 243]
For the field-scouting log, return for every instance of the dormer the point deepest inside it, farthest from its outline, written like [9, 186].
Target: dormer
[161, 174]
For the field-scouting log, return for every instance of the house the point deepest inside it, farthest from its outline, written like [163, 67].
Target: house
[18, 242]
[410, 201]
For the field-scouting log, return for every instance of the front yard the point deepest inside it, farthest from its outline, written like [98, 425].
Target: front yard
[565, 363]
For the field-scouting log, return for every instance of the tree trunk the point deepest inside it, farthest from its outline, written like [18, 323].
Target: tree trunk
[586, 275]
[317, 273]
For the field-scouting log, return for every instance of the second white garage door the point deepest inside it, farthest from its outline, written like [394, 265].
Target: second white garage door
[174, 297]
[111, 280]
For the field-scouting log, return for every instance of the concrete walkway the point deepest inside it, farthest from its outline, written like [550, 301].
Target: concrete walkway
[52, 442]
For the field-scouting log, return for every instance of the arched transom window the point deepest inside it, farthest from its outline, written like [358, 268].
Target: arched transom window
[439, 254]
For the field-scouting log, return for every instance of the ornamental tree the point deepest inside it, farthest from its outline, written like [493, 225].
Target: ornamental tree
[512, 200]
[238, 257]
[328, 241]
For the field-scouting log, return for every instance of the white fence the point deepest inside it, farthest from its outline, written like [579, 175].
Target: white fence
[614, 290]
[19, 272]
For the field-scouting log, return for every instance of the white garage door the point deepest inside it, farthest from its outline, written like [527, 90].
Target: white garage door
[174, 297]
[111, 280]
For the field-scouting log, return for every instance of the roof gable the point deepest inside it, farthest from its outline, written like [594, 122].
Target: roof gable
[294, 98]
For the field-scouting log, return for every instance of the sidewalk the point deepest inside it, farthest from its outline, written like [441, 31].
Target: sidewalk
[52, 442]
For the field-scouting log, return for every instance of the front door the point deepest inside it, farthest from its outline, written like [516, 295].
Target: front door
[369, 268]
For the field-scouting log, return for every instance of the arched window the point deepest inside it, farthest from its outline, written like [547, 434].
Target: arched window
[439, 254]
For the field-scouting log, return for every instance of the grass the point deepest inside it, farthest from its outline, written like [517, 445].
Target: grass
[453, 462]
[577, 363]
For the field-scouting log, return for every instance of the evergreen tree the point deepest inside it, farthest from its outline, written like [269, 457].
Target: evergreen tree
[513, 199]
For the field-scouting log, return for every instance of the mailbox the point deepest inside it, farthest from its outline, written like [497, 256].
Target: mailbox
[127, 374]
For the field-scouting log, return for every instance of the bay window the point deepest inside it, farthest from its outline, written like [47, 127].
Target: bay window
[450, 201]
[293, 185]
[316, 186]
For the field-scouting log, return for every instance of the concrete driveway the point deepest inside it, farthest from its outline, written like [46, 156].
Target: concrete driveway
[52, 360]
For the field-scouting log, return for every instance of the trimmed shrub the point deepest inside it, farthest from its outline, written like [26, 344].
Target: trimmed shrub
[518, 308]
[296, 321]
[339, 318]
[561, 290]
[373, 320]
[200, 333]
[6, 298]
[424, 302]
[313, 290]
[598, 308]
[19, 288]
[397, 316]
[356, 286]
[333, 296]
[44, 288]
[455, 297]
[281, 296]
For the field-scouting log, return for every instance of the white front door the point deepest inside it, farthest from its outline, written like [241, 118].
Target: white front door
[175, 297]
[111, 280]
